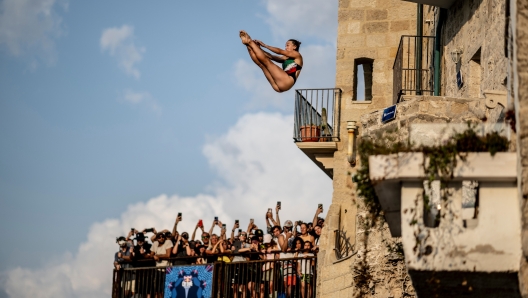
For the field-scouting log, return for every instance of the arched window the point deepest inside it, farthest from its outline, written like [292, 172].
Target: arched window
[363, 79]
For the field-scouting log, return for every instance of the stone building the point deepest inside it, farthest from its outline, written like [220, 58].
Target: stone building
[439, 62]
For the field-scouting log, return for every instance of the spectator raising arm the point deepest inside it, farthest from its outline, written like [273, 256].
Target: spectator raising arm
[223, 232]
[317, 212]
[153, 238]
[175, 227]
[277, 223]
[196, 228]
[213, 225]
[130, 234]
[250, 226]
[269, 216]
[295, 233]
[176, 245]
[234, 228]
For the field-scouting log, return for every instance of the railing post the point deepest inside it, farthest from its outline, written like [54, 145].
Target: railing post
[419, 33]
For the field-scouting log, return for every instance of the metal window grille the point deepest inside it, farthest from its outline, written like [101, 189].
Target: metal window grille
[413, 69]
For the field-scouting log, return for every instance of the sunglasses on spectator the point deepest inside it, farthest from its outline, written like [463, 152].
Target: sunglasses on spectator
[205, 236]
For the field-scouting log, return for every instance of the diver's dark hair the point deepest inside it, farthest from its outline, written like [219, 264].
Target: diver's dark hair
[295, 43]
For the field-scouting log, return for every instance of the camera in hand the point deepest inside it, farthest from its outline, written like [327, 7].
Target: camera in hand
[179, 215]
[216, 218]
[149, 230]
[236, 221]
[320, 206]
[279, 204]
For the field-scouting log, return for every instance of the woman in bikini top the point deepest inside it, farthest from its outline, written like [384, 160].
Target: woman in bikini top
[304, 234]
[280, 79]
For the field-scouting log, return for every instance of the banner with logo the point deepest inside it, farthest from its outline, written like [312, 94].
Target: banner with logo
[192, 281]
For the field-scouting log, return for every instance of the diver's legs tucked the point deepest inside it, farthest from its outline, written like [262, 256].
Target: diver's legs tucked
[283, 82]
[264, 70]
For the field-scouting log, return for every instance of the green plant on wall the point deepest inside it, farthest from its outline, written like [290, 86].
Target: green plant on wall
[439, 162]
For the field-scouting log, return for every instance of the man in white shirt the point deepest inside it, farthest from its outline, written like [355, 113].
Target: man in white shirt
[161, 250]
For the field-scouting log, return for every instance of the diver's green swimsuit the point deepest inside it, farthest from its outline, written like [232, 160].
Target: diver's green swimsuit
[291, 68]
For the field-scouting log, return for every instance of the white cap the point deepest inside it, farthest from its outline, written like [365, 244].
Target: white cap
[267, 238]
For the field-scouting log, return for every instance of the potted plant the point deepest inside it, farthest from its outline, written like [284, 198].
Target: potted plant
[326, 134]
[310, 133]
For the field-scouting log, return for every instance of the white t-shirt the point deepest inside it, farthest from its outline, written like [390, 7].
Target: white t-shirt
[305, 264]
[161, 250]
[241, 258]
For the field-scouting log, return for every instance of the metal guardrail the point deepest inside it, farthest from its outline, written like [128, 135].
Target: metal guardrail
[413, 68]
[284, 277]
[317, 113]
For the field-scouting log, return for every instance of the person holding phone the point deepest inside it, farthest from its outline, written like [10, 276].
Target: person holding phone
[175, 227]
[270, 222]
[181, 249]
[317, 220]
[200, 226]
[235, 226]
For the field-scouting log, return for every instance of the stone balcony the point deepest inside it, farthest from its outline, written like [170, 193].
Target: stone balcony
[475, 248]
[316, 126]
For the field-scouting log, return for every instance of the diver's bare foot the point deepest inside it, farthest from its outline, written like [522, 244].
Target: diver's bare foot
[244, 37]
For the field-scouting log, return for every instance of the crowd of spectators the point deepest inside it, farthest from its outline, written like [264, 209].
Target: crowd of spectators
[291, 239]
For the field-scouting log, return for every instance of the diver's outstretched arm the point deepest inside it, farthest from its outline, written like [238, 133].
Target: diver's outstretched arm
[275, 58]
[291, 54]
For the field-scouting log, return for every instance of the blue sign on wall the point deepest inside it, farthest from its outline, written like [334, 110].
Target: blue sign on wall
[388, 114]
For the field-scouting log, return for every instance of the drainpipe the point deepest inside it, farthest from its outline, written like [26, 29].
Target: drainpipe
[418, 62]
[438, 51]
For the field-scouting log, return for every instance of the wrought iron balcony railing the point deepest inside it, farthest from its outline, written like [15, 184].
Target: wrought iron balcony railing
[413, 69]
[317, 115]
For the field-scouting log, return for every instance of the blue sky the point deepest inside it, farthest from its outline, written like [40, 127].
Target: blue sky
[110, 112]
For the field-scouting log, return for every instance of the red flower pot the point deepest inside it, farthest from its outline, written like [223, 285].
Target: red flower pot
[310, 133]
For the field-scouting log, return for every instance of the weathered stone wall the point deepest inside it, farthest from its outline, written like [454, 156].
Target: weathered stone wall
[368, 29]
[519, 77]
[472, 25]
[428, 110]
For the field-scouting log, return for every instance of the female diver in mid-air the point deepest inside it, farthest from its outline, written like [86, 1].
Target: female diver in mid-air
[280, 79]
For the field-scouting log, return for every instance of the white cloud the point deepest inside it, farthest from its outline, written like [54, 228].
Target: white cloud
[302, 18]
[136, 98]
[257, 164]
[318, 72]
[31, 27]
[119, 42]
